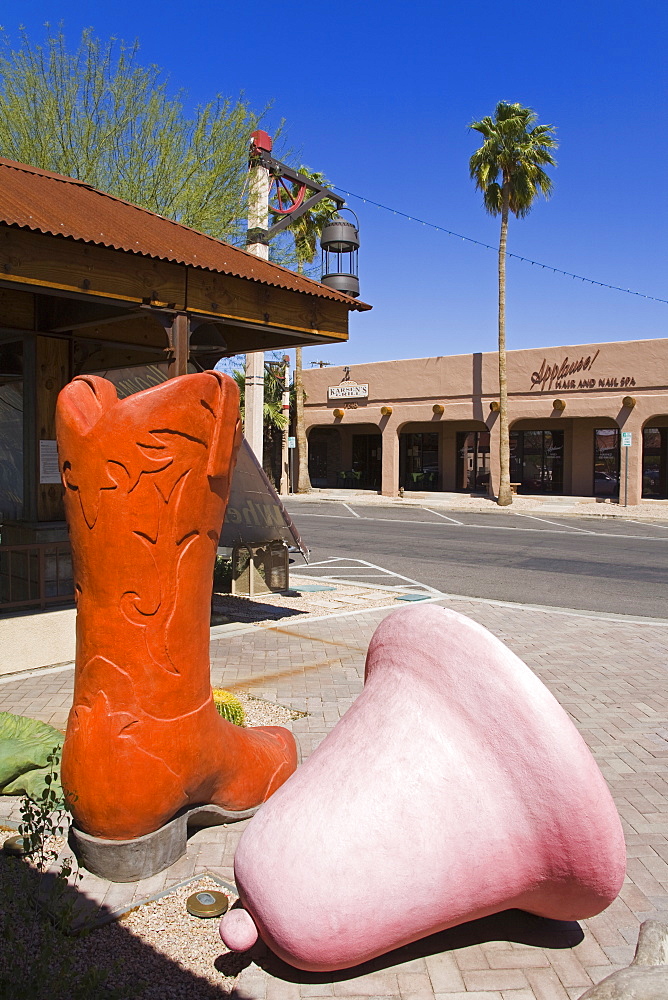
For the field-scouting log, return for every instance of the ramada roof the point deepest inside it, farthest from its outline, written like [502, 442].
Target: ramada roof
[52, 204]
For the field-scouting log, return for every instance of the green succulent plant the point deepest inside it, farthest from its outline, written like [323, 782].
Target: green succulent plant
[229, 707]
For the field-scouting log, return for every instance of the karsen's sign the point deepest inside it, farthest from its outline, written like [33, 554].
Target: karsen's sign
[348, 390]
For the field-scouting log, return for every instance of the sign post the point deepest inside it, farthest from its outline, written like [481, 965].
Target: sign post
[292, 444]
[627, 440]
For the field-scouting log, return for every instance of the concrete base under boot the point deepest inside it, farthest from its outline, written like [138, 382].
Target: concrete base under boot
[132, 860]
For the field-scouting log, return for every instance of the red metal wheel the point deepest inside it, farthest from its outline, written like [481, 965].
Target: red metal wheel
[287, 197]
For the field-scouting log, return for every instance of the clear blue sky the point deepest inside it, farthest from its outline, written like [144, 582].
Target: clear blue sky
[378, 96]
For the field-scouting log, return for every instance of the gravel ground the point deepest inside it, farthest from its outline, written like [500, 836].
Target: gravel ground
[265, 713]
[156, 951]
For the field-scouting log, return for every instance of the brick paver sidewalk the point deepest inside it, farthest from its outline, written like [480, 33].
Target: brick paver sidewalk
[609, 674]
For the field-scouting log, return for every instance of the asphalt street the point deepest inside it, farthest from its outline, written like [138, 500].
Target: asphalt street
[617, 566]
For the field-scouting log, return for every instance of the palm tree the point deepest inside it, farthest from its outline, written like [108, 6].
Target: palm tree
[274, 420]
[305, 232]
[508, 169]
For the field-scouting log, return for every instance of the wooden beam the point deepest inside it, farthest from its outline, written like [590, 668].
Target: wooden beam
[55, 314]
[59, 264]
[233, 298]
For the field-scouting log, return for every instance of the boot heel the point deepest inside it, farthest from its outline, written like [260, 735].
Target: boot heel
[141, 857]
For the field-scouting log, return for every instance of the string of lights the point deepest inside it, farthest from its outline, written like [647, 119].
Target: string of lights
[487, 246]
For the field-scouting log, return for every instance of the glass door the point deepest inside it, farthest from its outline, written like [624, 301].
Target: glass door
[367, 461]
[11, 431]
[606, 462]
[537, 461]
[317, 461]
[418, 461]
[655, 462]
[473, 461]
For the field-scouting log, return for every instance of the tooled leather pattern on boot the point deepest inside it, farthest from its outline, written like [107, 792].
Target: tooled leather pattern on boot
[146, 484]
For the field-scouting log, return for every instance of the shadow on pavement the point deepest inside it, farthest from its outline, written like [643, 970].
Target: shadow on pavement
[226, 609]
[39, 960]
[511, 925]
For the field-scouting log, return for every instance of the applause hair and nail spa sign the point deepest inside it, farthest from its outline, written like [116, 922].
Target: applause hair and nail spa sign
[559, 376]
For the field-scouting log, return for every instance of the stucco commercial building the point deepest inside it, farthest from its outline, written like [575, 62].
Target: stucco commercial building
[432, 423]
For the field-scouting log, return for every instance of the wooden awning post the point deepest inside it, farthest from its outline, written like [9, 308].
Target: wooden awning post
[179, 345]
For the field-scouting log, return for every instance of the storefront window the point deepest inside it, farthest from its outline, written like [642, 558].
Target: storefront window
[11, 431]
[473, 461]
[537, 461]
[418, 461]
[655, 462]
[606, 462]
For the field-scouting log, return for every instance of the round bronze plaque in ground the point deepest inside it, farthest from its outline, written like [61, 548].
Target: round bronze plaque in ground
[207, 903]
[15, 846]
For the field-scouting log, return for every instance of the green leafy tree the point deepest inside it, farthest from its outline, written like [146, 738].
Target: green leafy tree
[94, 113]
[508, 169]
[305, 232]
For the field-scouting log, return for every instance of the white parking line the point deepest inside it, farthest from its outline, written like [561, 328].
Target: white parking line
[646, 524]
[494, 527]
[438, 514]
[353, 512]
[558, 524]
[355, 568]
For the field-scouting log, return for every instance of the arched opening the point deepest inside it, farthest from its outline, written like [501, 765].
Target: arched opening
[345, 457]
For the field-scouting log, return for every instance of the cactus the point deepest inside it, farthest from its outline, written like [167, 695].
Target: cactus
[229, 707]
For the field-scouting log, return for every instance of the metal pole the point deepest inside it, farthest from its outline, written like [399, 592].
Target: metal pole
[626, 476]
[285, 453]
[285, 409]
[258, 218]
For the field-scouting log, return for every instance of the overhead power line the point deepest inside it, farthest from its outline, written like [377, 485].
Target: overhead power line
[488, 246]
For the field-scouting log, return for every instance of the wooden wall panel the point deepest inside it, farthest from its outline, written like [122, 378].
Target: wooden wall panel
[17, 309]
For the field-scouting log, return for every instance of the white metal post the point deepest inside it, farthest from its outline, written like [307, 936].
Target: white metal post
[258, 218]
[285, 409]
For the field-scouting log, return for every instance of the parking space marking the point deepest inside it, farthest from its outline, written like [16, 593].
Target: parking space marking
[559, 527]
[353, 512]
[438, 514]
[558, 524]
[645, 524]
[361, 568]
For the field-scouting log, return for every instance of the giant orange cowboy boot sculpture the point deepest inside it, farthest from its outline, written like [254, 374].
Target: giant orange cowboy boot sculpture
[146, 485]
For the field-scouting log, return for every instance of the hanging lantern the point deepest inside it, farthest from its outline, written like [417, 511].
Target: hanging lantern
[340, 242]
